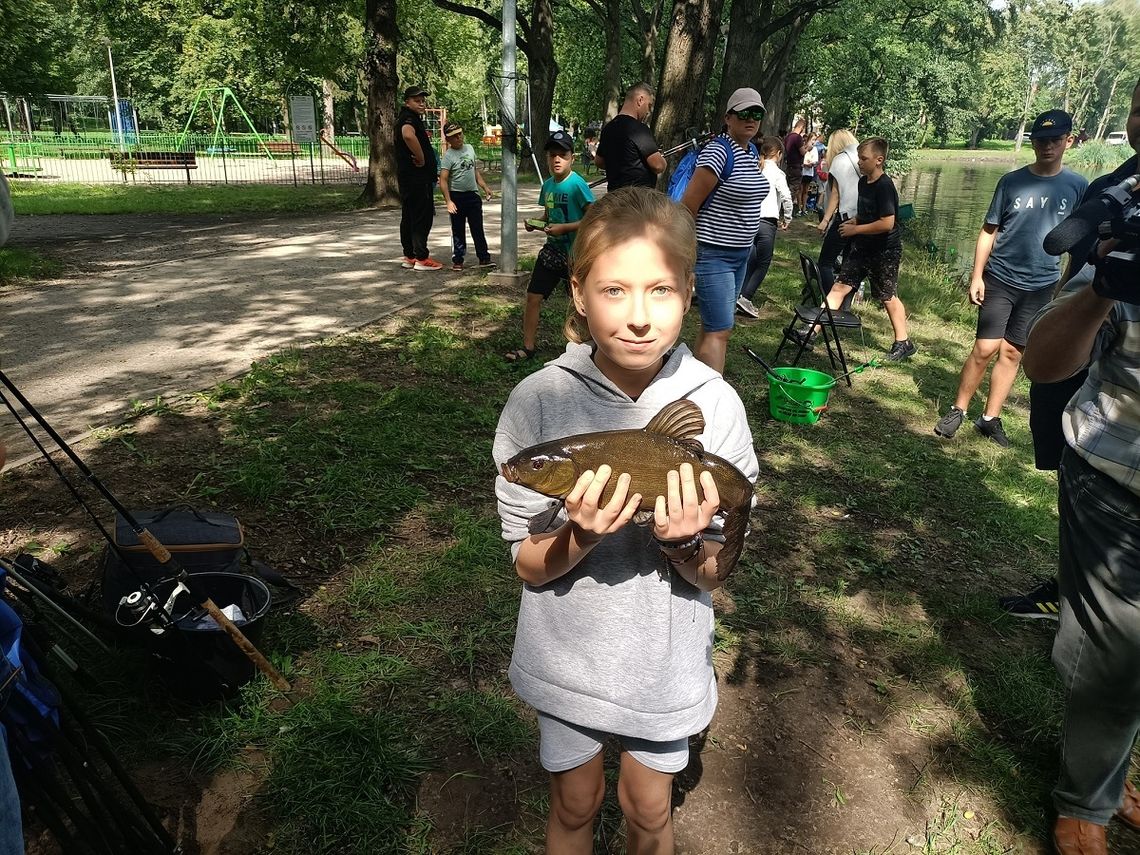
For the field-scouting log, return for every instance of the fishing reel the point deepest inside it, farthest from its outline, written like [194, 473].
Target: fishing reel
[144, 607]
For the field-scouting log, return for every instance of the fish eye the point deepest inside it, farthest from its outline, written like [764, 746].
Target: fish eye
[537, 464]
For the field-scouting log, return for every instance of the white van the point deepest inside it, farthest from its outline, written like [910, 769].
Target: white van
[1116, 138]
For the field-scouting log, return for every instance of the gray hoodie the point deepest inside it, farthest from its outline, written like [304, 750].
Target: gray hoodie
[619, 643]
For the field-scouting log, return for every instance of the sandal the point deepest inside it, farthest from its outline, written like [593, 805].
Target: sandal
[520, 354]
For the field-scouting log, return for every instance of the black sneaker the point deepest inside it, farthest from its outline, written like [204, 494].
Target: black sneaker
[1040, 603]
[948, 425]
[992, 429]
[901, 350]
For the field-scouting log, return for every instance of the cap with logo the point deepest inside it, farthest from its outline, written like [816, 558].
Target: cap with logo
[452, 128]
[560, 140]
[415, 92]
[744, 98]
[1051, 123]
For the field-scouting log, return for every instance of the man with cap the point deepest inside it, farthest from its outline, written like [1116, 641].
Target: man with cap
[1013, 277]
[458, 179]
[415, 175]
[628, 152]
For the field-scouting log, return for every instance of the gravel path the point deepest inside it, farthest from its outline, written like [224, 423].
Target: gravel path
[153, 305]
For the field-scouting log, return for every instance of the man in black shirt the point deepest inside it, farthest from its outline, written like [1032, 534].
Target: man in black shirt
[627, 152]
[416, 176]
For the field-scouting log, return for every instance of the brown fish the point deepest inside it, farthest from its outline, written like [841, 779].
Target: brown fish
[648, 455]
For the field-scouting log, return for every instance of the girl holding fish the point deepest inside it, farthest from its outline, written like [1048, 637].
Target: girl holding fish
[615, 628]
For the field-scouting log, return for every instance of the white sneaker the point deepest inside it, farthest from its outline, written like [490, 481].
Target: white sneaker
[745, 307]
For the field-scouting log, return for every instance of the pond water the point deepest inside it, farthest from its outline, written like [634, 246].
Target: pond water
[953, 198]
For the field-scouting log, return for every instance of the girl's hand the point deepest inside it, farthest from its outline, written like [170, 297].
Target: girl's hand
[582, 504]
[680, 515]
[823, 226]
[452, 208]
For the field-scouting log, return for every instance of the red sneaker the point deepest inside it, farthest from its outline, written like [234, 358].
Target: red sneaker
[428, 264]
[408, 263]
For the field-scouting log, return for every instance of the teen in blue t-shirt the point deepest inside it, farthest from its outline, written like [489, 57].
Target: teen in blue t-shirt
[1013, 277]
[564, 197]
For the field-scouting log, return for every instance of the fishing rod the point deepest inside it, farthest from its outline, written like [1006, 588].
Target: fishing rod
[693, 142]
[772, 371]
[10, 570]
[160, 553]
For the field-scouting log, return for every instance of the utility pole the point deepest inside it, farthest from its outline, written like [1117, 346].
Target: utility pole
[509, 231]
[118, 120]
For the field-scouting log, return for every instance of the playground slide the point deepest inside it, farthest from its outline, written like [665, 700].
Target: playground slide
[341, 153]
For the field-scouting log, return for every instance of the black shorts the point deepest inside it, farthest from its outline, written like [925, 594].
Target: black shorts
[794, 176]
[1006, 311]
[551, 267]
[879, 266]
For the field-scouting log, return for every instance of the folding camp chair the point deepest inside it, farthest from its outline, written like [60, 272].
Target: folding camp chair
[812, 310]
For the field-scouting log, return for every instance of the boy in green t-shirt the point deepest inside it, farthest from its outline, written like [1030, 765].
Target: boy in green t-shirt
[457, 179]
[565, 196]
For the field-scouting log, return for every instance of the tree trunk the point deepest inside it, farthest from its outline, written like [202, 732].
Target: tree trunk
[1030, 91]
[611, 97]
[746, 38]
[543, 71]
[689, 51]
[775, 73]
[649, 24]
[327, 120]
[1102, 125]
[381, 39]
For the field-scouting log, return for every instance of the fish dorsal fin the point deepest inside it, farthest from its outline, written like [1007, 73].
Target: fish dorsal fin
[681, 420]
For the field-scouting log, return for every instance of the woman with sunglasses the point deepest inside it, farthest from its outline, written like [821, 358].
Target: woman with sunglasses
[724, 197]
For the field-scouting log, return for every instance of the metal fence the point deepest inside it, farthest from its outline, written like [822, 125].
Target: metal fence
[150, 157]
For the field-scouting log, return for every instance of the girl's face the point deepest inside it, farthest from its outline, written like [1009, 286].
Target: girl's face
[633, 302]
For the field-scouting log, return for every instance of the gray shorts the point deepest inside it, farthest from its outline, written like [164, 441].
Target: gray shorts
[564, 746]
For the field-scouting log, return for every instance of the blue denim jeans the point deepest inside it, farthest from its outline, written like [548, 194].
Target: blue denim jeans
[1097, 647]
[720, 276]
[470, 212]
[11, 834]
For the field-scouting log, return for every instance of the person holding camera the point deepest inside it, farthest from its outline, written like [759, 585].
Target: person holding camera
[1095, 323]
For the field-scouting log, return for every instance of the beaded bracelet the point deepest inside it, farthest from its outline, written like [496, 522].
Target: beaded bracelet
[691, 545]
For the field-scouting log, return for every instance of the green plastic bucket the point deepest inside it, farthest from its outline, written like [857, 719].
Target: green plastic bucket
[798, 403]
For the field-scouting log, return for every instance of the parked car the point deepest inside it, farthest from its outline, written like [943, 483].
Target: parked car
[1116, 138]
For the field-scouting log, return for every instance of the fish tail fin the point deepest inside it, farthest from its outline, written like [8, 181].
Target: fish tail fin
[735, 527]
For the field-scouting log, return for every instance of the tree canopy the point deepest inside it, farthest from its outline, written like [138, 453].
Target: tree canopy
[915, 71]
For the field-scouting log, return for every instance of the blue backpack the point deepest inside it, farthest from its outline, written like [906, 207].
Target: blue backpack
[683, 174]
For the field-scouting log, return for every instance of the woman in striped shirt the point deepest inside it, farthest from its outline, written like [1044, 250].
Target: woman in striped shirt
[724, 197]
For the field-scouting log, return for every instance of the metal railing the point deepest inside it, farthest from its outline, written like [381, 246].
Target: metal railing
[168, 158]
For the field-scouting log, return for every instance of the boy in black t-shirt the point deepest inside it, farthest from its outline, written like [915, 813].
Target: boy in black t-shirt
[876, 245]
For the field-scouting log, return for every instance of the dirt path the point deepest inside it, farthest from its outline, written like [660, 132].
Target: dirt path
[162, 306]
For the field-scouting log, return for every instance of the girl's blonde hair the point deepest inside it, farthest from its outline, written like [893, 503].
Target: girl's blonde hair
[839, 140]
[621, 216]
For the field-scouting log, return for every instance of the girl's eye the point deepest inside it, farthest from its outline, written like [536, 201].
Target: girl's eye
[613, 291]
[662, 290]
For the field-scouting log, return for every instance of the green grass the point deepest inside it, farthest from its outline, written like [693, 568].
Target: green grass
[374, 450]
[18, 263]
[992, 150]
[53, 198]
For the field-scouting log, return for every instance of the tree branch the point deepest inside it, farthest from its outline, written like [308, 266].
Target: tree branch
[488, 19]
